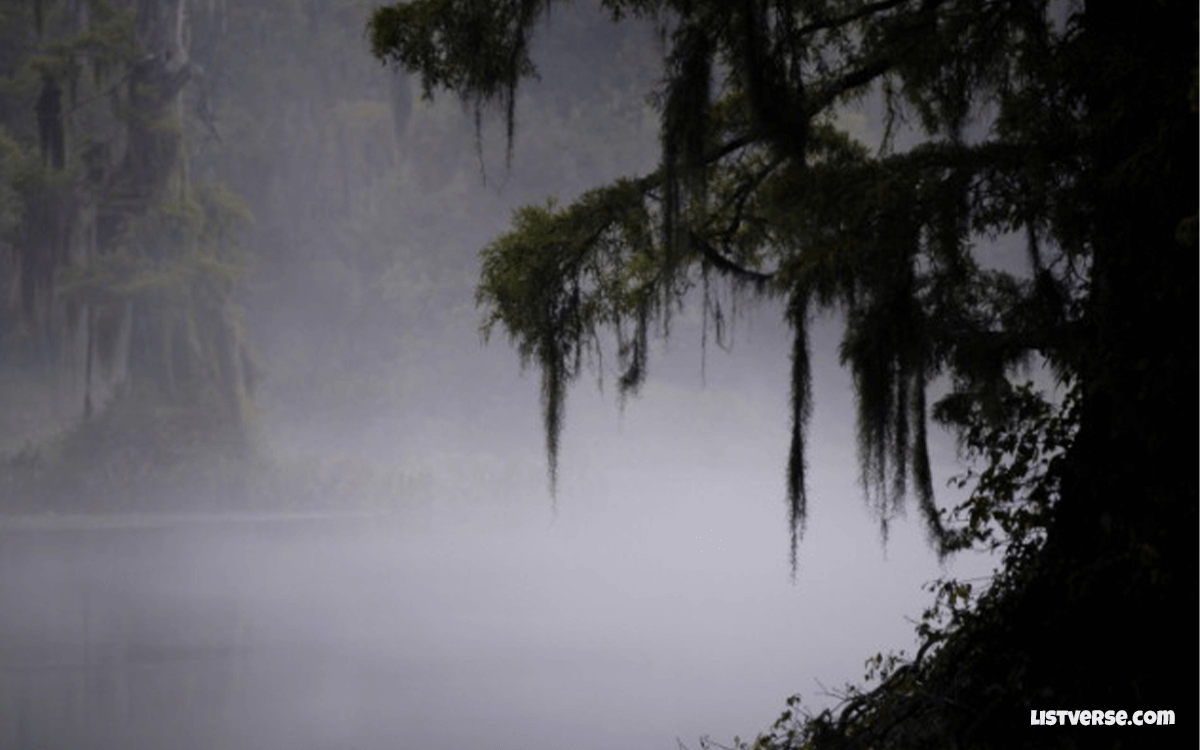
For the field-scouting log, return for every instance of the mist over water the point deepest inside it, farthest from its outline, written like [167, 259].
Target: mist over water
[650, 601]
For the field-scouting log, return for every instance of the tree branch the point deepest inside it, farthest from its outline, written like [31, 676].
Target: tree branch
[725, 264]
[869, 9]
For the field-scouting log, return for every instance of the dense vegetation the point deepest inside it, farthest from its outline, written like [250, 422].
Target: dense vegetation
[124, 260]
[180, 179]
[220, 221]
[1071, 125]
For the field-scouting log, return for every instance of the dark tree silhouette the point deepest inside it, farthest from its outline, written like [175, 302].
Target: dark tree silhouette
[50, 125]
[1071, 123]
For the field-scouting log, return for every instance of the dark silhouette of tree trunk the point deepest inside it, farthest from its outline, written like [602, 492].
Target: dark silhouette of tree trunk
[1123, 538]
[1085, 140]
[50, 124]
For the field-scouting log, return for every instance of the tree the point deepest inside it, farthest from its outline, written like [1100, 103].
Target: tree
[124, 265]
[1071, 124]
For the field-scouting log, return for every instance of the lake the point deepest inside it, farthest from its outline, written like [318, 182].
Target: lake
[624, 622]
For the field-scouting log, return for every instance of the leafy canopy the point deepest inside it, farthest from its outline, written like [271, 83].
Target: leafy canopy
[760, 190]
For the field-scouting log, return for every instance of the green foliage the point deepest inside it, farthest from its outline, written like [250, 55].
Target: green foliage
[362, 219]
[125, 268]
[758, 189]
[577, 273]
[1020, 447]
[1065, 123]
[481, 49]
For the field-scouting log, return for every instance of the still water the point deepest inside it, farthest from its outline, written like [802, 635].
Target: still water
[627, 624]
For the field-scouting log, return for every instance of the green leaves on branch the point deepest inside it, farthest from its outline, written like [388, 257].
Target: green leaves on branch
[475, 47]
[1015, 452]
[562, 277]
[758, 187]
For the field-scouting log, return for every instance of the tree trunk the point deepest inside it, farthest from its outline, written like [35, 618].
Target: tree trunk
[1121, 549]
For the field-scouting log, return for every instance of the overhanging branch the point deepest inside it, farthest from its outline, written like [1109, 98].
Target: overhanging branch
[726, 265]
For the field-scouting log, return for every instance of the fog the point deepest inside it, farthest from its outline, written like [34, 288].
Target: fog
[648, 601]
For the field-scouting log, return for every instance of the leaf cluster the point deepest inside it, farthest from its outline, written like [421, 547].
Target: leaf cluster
[1057, 124]
[478, 48]
[562, 278]
[760, 190]
[123, 268]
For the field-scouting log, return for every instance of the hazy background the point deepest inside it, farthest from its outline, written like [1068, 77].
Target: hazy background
[650, 600]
